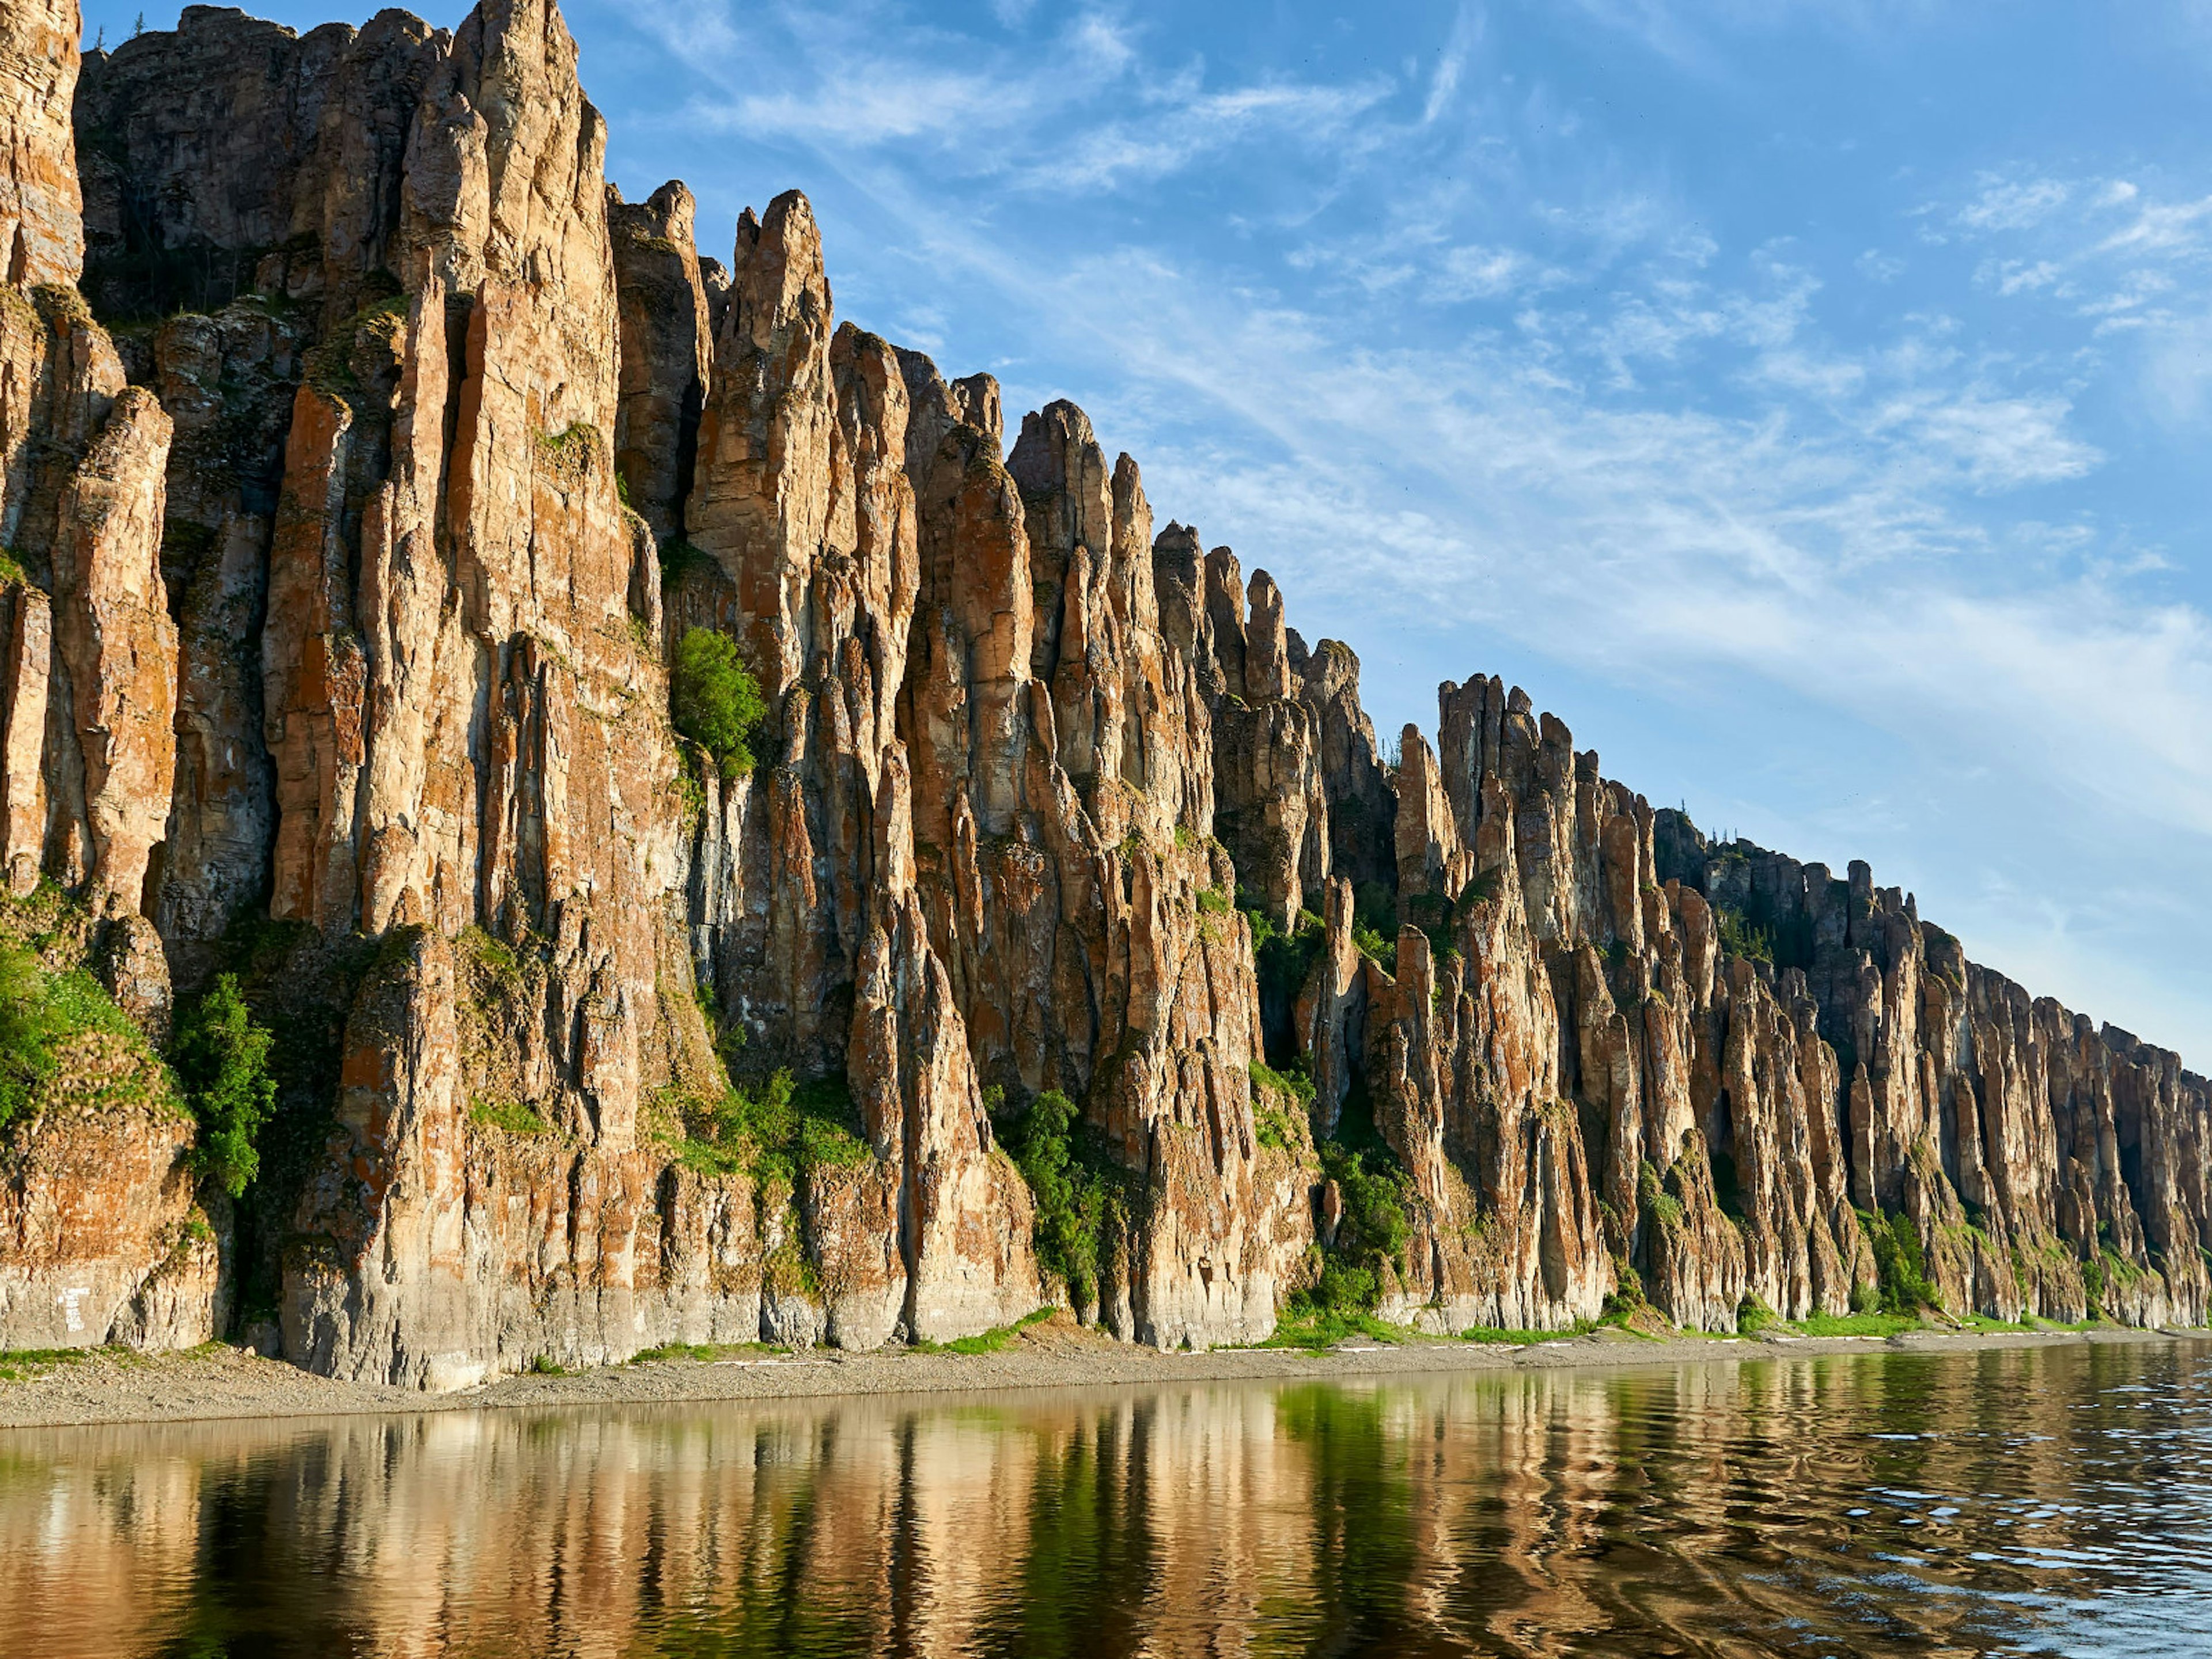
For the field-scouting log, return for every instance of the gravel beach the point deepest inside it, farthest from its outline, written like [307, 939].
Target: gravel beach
[108, 1386]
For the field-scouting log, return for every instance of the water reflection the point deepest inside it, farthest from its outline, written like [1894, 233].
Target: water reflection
[2044, 1500]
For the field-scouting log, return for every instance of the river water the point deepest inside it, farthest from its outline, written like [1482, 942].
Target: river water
[2054, 1500]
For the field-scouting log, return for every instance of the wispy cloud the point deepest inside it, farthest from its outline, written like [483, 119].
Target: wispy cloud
[1082, 112]
[1452, 63]
[1467, 384]
[1177, 132]
[2012, 204]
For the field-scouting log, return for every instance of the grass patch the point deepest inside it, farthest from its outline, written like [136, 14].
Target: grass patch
[1979, 1321]
[1213, 902]
[26, 1365]
[1661, 1206]
[1374, 924]
[40, 1011]
[1857, 1324]
[700, 1352]
[512, 1116]
[1312, 1326]
[1500, 1335]
[329, 366]
[568, 455]
[997, 1339]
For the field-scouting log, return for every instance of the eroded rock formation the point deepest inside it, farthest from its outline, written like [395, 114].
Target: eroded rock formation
[365, 460]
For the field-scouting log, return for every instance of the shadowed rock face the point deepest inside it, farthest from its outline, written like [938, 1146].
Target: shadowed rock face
[334, 651]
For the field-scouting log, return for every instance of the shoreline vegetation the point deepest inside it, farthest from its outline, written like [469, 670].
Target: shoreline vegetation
[114, 1386]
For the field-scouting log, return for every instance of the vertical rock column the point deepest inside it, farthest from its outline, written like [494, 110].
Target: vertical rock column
[114, 636]
[42, 212]
[802, 501]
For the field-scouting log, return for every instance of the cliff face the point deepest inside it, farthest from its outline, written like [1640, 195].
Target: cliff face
[366, 461]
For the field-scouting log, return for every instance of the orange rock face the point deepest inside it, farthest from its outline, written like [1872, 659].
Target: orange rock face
[335, 652]
[41, 221]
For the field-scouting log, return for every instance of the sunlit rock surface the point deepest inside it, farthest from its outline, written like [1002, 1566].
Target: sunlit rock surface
[363, 461]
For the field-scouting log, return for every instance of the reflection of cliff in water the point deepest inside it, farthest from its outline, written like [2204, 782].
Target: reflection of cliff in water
[1771, 1504]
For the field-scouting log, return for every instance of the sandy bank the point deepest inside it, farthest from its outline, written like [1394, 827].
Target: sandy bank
[217, 1381]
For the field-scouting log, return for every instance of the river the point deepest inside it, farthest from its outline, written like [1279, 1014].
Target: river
[2051, 1500]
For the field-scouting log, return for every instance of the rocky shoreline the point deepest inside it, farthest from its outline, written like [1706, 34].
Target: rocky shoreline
[219, 1382]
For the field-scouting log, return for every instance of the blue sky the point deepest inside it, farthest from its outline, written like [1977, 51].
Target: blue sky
[1806, 402]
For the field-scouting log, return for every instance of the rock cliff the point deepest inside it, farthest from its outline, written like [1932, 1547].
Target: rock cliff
[365, 463]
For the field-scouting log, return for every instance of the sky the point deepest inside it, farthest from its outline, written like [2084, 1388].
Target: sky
[1807, 403]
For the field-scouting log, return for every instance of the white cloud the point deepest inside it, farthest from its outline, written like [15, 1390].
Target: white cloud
[1451, 64]
[2012, 205]
[2162, 228]
[2011, 277]
[846, 88]
[1177, 134]
[1480, 273]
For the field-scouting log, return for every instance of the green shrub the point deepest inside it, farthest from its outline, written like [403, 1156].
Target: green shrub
[1284, 960]
[1374, 924]
[1900, 1263]
[1276, 1095]
[1483, 890]
[1752, 1315]
[1628, 1294]
[1661, 1206]
[777, 1130]
[715, 700]
[1738, 937]
[1371, 943]
[1213, 902]
[1307, 1325]
[1080, 1192]
[703, 1352]
[1371, 1234]
[221, 1058]
[1291, 1083]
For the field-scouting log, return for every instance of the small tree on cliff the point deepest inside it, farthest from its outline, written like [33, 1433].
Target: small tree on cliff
[222, 1059]
[715, 700]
